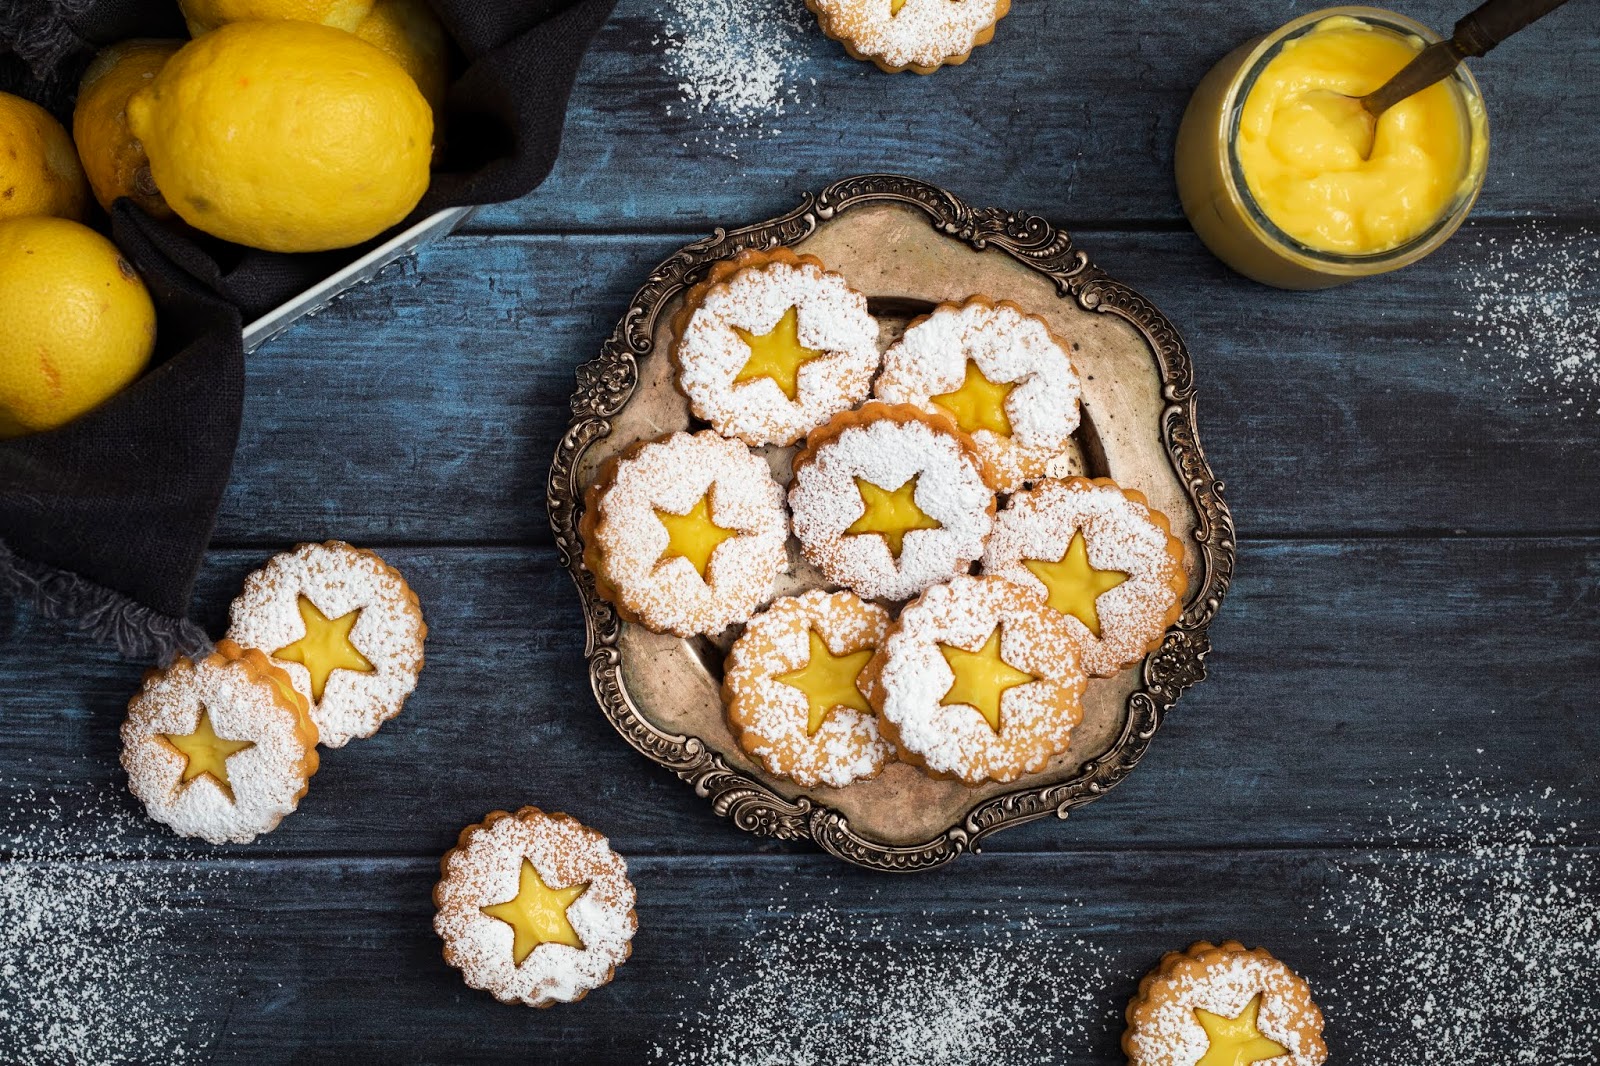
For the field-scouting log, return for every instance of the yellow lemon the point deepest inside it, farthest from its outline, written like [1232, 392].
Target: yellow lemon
[410, 33]
[203, 16]
[78, 324]
[285, 136]
[39, 171]
[113, 158]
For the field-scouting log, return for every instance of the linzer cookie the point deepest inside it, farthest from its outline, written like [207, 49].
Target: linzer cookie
[344, 625]
[685, 534]
[1000, 373]
[888, 500]
[534, 908]
[771, 345]
[918, 35]
[790, 686]
[977, 680]
[1223, 1005]
[1102, 556]
[220, 749]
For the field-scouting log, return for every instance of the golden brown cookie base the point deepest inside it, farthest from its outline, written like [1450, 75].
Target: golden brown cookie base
[982, 38]
[903, 413]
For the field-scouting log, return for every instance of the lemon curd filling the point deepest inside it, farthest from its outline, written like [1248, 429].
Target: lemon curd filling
[982, 677]
[777, 355]
[206, 753]
[537, 914]
[1302, 149]
[890, 514]
[979, 403]
[326, 646]
[1074, 584]
[693, 536]
[829, 681]
[1236, 1041]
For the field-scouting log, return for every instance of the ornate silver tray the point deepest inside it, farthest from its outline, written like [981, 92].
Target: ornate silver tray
[908, 245]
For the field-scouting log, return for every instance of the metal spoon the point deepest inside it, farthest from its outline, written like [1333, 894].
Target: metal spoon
[1474, 35]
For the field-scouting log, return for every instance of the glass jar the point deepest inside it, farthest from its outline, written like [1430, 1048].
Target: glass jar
[1217, 198]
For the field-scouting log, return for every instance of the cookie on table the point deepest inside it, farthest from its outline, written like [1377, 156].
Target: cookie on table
[534, 908]
[791, 690]
[219, 749]
[916, 35]
[888, 500]
[1000, 372]
[685, 534]
[1223, 1005]
[1102, 556]
[977, 680]
[773, 344]
[346, 628]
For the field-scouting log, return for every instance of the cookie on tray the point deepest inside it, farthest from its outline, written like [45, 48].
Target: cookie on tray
[792, 694]
[685, 534]
[346, 628]
[977, 680]
[888, 500]
[1223, 1005]
[1000, 372]
[534, 908]
[916, 35]
[771, 345]
[1102, 556]
[219, 749]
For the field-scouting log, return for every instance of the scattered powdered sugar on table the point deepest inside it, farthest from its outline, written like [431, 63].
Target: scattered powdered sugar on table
[1534, 314]
[1488, 938]
[819, 987]
[92, 915]
[737, 61]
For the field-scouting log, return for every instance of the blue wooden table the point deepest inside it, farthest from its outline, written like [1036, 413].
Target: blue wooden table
[1388, 778]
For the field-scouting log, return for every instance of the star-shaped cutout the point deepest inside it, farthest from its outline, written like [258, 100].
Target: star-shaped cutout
[778, 355]
[829, 681]
[693, 536]
[981, 678]
[1236, 1041]
[979, 403]
[325, 647]
[1074, 583]
[890, 514]
[537, 914]
[206, 753]
[895, 6]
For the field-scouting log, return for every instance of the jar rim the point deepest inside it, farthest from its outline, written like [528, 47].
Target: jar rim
[1362, 264]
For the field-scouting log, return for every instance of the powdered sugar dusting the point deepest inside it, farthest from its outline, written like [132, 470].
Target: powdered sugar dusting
[1440, 952]
[887, 452]
[910, 676]
[817, 986]
[737, 62]
[1007, 345]
[389, 631]
[1534, 314]
[832, 318]
[1119, 534]
[266, 780]
[93, 930]
[673, 475]
[485, 870]
[923, 33]
[771, 718]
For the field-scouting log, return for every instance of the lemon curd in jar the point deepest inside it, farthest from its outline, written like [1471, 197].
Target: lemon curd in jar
[1273, 160]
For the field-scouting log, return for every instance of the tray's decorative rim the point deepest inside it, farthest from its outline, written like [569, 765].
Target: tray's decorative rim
[605, 385]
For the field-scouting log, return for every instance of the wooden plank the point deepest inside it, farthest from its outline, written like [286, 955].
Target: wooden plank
[1072, 113]
[1350, 679]
[424, 407]
[334, 960]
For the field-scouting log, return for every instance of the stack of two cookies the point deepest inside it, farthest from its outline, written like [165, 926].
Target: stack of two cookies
[959, 462]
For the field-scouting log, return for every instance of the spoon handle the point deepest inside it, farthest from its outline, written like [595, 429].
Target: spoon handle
[1475, 35]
